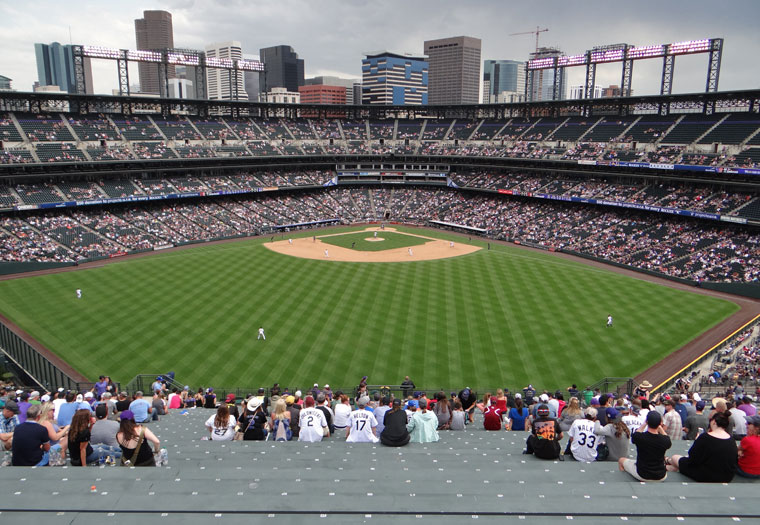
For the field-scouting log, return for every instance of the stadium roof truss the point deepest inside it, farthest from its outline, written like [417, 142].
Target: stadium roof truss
[627, 54]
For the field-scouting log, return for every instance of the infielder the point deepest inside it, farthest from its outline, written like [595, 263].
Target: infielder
[327, 254]
[410, 252]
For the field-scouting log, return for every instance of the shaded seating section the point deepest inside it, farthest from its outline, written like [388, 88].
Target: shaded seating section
[92, 129]
[112, 152]
[609, 129]
[155, 186]
[356, 147]
[542, 129]
[177, 128]
[116, 189]
[137, 128]
[246, 129]
[212, 128]
[15, 156]
[514, 128]
[574, 128]
[749, 158]
[8, 131]
[436, 129]
[408, 129]
[690, 128]
[43, 128]
[58, 152]
[80, 191]
[326, 129]
[301, 129]
[274, 128]
[195, 151]
[381, 129]
[263, 148]
[354, 129]
[38, 193]
[152, 150]
[335, 148]
[187, 184]
[7, 199]
[230, 150]
[290, 149]
[312, 149]
[462, 129]
[649, 128]
[487, 129]
[734, 130]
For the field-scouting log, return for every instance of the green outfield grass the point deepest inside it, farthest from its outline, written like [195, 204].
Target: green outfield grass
[494, 318]
[391, 240]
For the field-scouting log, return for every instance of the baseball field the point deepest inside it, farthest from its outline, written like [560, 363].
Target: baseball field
[474, 316]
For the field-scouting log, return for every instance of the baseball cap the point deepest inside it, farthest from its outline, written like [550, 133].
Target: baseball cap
[397, 402]
[654, 419]
[362, 401]
[595, 401]
[518, 395]
[45, 398]
[542, 411]
[127, 414]
[753, 420]
[543, 398]
[684, 397]
[696, 397]
[19, 392]
[412, 403]
[261, 390]
[612, 413]
[700, 405]
[327, 387]
[187, 387]
[79, 398]
[34, 394]
[298, 393]
[209, 390]
[12, 406]
[230, 397]
[290, 400]
[88, 395]
[60, 389]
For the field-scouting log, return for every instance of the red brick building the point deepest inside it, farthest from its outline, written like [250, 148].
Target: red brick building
[322, 94]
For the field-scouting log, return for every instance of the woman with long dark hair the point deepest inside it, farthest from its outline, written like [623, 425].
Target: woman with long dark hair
[80, 450]
[222, 425]
[133, 440]
[712, 458]
[518, 416]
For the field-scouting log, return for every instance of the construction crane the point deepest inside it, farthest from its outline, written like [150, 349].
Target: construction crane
[537, 32]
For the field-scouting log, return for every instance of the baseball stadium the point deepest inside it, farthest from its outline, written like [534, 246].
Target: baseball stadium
[595, 245]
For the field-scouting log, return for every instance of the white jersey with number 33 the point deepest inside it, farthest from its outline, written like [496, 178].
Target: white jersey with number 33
[585, 441]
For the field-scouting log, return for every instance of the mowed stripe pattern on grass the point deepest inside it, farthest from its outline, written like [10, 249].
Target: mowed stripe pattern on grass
[495, 318]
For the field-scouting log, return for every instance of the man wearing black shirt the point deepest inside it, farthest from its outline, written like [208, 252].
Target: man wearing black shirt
[545, 436]
[30, 441]
[651, 442]
[123, 402]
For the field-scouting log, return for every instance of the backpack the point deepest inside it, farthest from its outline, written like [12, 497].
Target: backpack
[282, 430]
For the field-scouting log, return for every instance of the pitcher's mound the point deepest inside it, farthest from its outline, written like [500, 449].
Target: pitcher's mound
[374, 239]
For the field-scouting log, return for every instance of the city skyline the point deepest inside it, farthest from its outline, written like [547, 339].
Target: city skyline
[360, 26]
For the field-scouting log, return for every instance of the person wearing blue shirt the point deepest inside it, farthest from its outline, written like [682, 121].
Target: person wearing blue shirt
[140, 408]
[67, 410]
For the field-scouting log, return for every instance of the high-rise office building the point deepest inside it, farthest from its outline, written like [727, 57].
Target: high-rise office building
[283, 69]
[392, 78]
[251, 81]
[5, 83]
[153, 31]
[454, 70]
[502, 79]
[220, 83]
[542, 80]
[55, 67]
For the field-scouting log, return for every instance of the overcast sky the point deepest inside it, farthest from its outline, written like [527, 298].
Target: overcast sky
[331, 35]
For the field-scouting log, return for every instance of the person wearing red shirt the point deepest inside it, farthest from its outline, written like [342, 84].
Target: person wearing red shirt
[749, 450]
[492, 417]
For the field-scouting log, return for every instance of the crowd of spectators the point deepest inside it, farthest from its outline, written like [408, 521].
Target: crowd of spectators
[676, 246]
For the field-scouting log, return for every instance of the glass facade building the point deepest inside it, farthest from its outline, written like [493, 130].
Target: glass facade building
[394, 79]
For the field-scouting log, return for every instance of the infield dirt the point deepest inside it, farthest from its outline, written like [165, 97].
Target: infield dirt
[310, 248]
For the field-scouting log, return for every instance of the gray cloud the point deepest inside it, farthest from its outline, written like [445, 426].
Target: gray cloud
[331, 35]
